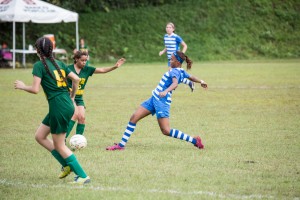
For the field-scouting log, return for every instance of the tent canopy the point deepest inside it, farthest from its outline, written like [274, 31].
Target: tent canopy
[34, 11]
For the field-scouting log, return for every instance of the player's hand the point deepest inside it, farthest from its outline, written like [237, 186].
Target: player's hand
[162, 94]
[203, 84]
[19, 84]
[120, 62]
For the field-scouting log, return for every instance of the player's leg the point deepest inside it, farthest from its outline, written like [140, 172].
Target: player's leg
[41, 137]
[70, 158]
[139, 114]
[166, 130]
[81, 120]
[72, 122]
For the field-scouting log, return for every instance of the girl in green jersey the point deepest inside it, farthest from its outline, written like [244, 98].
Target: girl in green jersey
[81, 68]
[51, 75]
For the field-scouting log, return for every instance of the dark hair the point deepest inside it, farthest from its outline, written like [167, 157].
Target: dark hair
[44, 48]
[78, 54]
[188, 61]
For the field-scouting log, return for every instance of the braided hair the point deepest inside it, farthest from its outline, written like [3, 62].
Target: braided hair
[44, 48]
[188, 61]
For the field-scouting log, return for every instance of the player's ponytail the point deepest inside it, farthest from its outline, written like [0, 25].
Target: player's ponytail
[188, 61]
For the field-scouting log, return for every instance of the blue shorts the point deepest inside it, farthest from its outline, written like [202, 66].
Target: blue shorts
[158, 107]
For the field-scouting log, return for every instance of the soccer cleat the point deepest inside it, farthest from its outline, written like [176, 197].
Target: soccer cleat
[65, 171]
[192, 86]
[115, 147]
[81, 181]
[199, 143]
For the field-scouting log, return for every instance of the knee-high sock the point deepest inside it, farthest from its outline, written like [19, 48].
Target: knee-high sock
[80, 129]
[70, 127]
[75, 166]
[182, 136]
[129, 130]
[59, 158]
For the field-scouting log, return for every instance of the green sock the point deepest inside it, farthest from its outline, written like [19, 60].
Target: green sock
[70, 127]
[80, 129]
[75, 166]
[59, 158]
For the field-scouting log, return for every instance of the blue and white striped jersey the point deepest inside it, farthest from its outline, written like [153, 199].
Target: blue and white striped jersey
[172, 43]
[166, 81]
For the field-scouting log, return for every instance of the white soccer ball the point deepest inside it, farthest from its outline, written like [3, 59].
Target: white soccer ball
[77, 142]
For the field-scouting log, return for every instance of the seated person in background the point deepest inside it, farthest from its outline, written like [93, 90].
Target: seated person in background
[5, 52]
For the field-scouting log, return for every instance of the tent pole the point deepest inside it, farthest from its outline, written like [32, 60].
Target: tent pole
[14, 44]
[24, 57]
[77, 36]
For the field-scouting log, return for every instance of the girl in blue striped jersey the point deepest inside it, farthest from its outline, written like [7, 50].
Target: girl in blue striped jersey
[160, 101]
[172, 43]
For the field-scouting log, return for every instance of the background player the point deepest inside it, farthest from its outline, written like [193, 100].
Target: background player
[172, 43]
[84, 71]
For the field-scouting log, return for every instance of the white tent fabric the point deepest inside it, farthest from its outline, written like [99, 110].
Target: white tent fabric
[34, 11]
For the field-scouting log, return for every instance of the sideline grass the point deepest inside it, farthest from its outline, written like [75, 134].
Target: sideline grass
[249, 120]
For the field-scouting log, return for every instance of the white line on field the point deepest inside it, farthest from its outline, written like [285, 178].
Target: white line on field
[260, 87]
[100, 188]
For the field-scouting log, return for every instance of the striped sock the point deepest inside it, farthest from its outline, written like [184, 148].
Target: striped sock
[186, 81]
[180, 135]
[129, 130]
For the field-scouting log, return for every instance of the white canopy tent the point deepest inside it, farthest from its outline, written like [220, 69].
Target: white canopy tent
[34, 11]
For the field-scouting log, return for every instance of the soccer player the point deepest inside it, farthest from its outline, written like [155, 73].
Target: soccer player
[172, 43]
[160, 101]
[51, 74]
[84, 47]
[84, 71]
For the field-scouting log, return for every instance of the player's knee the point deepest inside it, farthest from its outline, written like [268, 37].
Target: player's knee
[165, 131]
[39, 137]
[134, 118]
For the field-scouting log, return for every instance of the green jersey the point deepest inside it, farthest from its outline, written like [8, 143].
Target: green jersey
[84, 75]
[50, 86]
[61, 108]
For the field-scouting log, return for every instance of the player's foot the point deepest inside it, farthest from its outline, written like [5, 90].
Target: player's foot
[81, 181]
[65, 171]
[115, 147]
[199, 143]
[192, 86]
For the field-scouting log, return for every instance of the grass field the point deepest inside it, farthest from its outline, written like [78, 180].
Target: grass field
[249, 119]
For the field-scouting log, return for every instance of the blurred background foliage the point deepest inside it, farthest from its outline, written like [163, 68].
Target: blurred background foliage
[212, 29]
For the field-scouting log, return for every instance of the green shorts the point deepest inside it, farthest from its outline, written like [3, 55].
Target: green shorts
[61, 110]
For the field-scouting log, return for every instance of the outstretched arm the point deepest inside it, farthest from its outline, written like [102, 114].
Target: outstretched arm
[108, 69]
[34, 88]
[197, 80]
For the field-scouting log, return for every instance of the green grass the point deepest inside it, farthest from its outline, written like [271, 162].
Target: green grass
[249, 119]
